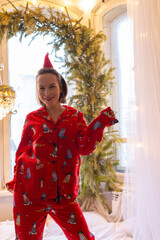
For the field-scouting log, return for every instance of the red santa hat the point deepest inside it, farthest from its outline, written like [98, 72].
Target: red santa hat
[47, 62]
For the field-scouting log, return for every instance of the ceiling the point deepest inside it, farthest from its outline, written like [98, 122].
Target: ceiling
[75, 7]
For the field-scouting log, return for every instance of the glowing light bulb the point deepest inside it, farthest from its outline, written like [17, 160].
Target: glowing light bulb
[34, 2]
[86, 5]
[142, 35]
[137, 2]
[139, 145]
[135, 108]
[66, 2]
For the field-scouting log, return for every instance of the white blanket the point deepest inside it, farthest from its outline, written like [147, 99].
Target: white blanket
[98, 225]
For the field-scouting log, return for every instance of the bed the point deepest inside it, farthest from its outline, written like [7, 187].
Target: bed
[113, 228]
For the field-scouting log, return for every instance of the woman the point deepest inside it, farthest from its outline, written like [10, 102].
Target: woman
[46, 174]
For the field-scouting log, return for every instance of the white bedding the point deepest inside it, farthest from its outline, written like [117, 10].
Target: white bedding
[98, 225]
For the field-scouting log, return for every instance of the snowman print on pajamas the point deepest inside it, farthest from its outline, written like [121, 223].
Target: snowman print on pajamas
[69, 154]
[61, 133]
[46, 128]
[29, 142]
[54, 175]
[26, 199]
[38, 164]
[44, 195]
[97, 125]
[72, 219]
[67, 177]
[18, 219]
[28, 174]
[69, 196]
[34, 229]
[54, 154]
[48, 208]
[22, 168]
[64, 164]
[41, 182]
[81, 236]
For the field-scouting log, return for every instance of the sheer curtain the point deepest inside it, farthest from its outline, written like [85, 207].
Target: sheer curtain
[142, 183]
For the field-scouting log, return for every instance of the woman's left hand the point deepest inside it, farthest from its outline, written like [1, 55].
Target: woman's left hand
[111, 114]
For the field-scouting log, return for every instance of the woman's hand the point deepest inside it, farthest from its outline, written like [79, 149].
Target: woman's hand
[10, 190]
[111, 114]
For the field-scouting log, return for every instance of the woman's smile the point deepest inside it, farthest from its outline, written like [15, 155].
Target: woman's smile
[48, 99]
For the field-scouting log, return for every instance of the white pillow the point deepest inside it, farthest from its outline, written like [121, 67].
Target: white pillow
[94, 219]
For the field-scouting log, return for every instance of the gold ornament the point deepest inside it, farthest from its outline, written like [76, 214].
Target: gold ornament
[7, 97]
[7, 100]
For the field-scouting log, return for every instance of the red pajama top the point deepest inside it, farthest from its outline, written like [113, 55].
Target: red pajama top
[48, 156]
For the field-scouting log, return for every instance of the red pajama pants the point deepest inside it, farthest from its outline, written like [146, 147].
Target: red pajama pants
[30, 217]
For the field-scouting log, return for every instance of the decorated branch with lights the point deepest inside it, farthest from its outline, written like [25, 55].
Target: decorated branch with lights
[93, 76]
[7, 97]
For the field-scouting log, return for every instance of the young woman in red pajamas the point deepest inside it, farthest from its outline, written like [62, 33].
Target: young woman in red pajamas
[46, 173]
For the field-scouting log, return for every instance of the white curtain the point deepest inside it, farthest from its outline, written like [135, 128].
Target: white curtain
[142, 183]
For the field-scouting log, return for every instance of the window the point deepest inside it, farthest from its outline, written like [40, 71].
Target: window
[117, 48]
[24, 62]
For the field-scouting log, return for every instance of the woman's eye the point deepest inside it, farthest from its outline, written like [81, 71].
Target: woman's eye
[51, 86]
[41, 88]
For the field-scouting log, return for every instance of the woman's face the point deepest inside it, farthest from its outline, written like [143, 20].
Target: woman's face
[48, 89]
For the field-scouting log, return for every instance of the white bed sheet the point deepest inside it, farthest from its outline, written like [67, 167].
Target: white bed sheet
[98, 225]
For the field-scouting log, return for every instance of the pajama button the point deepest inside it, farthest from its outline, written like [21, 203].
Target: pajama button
[54, 128]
